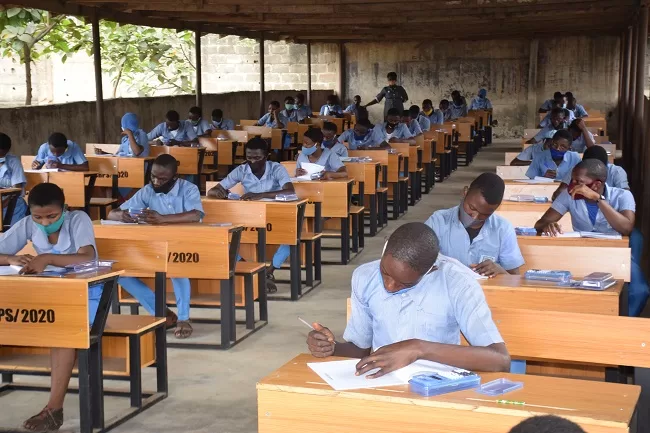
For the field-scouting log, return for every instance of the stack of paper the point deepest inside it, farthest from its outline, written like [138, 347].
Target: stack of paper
[43, 170]
[14, 270]
[310, 168]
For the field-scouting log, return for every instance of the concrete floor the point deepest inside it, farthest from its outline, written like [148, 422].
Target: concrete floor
[214, 391]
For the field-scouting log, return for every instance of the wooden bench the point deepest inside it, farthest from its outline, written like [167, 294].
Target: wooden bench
[8, 199]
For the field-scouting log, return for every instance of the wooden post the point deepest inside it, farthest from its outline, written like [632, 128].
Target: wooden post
[533, 117]
[631, 100]
[262, 84]
[641, 74]
[626, 42]
[199, 79]
[99, 92]
[342, 78]
[309, 74]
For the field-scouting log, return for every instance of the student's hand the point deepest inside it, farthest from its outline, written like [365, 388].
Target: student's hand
[37, 165]
[127, 132]
[174, 143]
[389, 358]
[552, 229]
[328, 175]
[488, 269]
[53, 164]
[152, 217]
[158, 142]
[98, 151]
[252, 196]
[219, 193]
[301, 172]
[531, 141]
[550, 174]
[126, 217]
[584, 191]
[36, 265]
[321, 341]
[580, 123]
[20, 260]
[394, 140]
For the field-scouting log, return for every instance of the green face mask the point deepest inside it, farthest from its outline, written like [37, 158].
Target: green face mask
[52, 228]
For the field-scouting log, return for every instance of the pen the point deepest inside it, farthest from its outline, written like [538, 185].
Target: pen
[310, 327]
[521, 403]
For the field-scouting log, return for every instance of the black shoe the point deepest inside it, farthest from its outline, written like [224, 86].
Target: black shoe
[271, 287]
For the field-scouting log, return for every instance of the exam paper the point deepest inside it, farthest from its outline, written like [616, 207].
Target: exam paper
[14, 270]
[43, 170]
[311, 169]
[116, 223]
[536, 180]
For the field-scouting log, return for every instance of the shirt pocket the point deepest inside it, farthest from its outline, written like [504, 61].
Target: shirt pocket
[434, 326]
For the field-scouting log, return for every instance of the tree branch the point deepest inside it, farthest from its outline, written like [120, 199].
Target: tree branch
[46, 30]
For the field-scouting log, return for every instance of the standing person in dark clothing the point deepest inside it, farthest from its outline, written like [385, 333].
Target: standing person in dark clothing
[395, 95]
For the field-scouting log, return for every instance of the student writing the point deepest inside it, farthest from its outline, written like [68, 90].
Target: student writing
[556, 160]
[313, 152]
[219, 123]
[12, 175]
[61, 153]
[173, 132]
[362, 136]
[330, 140]
[393, 130]
[200, 126]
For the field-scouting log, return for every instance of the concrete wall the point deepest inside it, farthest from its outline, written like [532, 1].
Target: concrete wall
[585, 65]
[29, 127]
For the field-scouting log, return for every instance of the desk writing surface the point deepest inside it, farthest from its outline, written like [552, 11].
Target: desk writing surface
[537, 189]
[4, 191]
[294, 398]
[365, 172]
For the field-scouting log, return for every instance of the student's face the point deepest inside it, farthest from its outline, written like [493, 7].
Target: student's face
[255, 158]
[331, 102]
[475, 206]
[406, 119]
[397, 275]
[3, 152]
[161, 176]
[393, 120]
[289, 101]
[217, 118]
[328, 135]
[308, 142]
[360, 130]
[357, 100]
[571, 103]
[272, 108]
[392, 82]
[444, 105]
[300, 101]
[172, 125]
[455, 97]
[194, 117]
[58, 151]
[561, 144]
[427, 107]
[579, 177]
[556, 119]
[46, 215]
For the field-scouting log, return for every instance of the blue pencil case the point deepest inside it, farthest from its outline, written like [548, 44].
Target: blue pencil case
[430, 384]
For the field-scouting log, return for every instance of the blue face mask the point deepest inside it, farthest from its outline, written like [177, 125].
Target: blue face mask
[557, 154]
[52, 228]
[360, 137]
[309, 150]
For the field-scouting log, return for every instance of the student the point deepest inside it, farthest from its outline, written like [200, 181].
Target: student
[526, 156]
[568, 116]
[331, 107]
[134, 140]
[289, 114]
[445, 110]
[272, 118]
[572, 105]
[313, 152]
[362, 136]
[395, 95]
[595, 207]
[558, 97]
[12, 175]
[557, 122]
[556, 160]
[458, 106]
[219, 123]
[200, 126]
[412, 124]
[352, 108]
[261, 179]
[582, 138]
[61, 153]
[165, 200]
[546, 424]
[407, 307]
[435, 116]
[481, 101]
[418, 116]
[394, 131]
[473, 235]
[304, 110]
[60, 238]
[330, 140]
[172, 132]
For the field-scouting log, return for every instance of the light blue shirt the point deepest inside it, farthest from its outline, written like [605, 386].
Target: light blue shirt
[200, 129]
[327, 159]
[414, 127]
[286, 117]
[372, 139]
[304, 111]
[352, 109]
[617, 177]
[140, 138]
[224, 125]
[446, 114]
[401, 131]
[437, 117]
[542, 162]
[619, 199]
[547, 105]
[443, 304]
[529, 153]
[274, 178]
[495, 241]
[546, 132]
[266, 121]
[579, 111]
[425, 123]
[338, 149]
[546, 121]
[183, 197]
[580, 144]
[480, 104]
[325, 110]
[457, 111]
[185, 132]
[12, 173]
[72, 155]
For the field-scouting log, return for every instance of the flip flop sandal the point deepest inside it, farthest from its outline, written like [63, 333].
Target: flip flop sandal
[47, 420]
[183, 329]
[271, 287]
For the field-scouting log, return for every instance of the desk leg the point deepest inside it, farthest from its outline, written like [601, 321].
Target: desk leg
[135, 367]
[225, 297]
[412, 182]
[345, 240]
[642, 378]
[160, 287]
[7, 377]
[355, 232]
[309, 263]
[162, 382]
[261, 293]
[249, 302]
[294, 271]
[97, 383]
[85, 405]
[318, 262]
[397, 202]
[373, 215]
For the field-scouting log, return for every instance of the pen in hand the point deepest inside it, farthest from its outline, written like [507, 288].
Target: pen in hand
[310, 326]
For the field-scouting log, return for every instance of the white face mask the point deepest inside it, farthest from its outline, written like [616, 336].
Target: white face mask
[123, 129]
[173, 133]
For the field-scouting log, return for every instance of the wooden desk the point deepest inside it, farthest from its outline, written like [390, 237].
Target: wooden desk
[367, 175]
[526, 214]
[508, 172]
[292, 399]
[220, 152]
[391, 166]
[412, 163]
[76, 185]
[536, 189]
[190, 159]
[130, 172]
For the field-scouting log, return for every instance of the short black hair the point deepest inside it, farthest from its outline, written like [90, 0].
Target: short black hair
[289, 98]
[172, 116]
[391, 76]
[596, 152]
[58, 140]
[415, 244]
[218, 113]
[563, 133]
[315, 135]
[329, 126]
[365, 122]
[300, 96]
[574, 125]
[406, 113]
[257, 143]
[357, 96]
[558, 110]
[596, 170]
[557, 95]
[547, 424]
[569, 95]
[167, 161]
[444, 101]
[491, 187]
[45, 194]
[196, 110]
[455, 92]
[275, 104]
[427, 101]
[5, 142]
[393, 112]
[414, 111]
[333, 99]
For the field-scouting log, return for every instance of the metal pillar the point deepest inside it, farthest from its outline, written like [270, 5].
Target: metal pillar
[99, 92]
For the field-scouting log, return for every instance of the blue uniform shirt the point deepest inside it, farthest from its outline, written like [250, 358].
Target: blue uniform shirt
[579, 111]
[546, 121]
[480, 104]
[274, 178]
[529, 153]
[325, 110]
[328, 159]
[12, 173]
[304, 111]
[542, 162]
[457, 111]
[201, 128]
[352, 109]
[617, 177]
[495, 241]
[437, 117]
[619, 199]
[336, 147]
[140, 138]
[547, 105]
[183, 197]
[185, 132]
[72, 155]
[224, 125]
[425, 123]
[401, 131]
[286, 117]
[414, 127]
[266, 121]
[580, 144]
[546, 132]
[372, 139]
[443, 304]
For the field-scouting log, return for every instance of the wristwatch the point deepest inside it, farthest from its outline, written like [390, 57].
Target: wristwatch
[602, 197]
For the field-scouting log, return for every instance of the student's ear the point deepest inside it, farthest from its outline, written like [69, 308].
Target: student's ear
[465, 189]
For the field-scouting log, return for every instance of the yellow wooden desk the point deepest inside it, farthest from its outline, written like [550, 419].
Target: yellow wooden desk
[295, 399]
[536, 189]
[392, 164]
[8, 198]
[76, 185]
[190, 159]
[526, 214]
[367, 176]
[413, 168]
[130, 172]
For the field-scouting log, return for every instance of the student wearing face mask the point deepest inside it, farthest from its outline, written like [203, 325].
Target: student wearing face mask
[304, 110]
[172, 132]
[12, 175]
[596, 207]
[393, 130]
[473, 235]
[272, 118]
[568, 116]
[200, 126]
[289, 114]
[435, 116]
[411, 305]
[572, 105]
[481, 102]
[134, 140]
[556, 160]
[165, 200]
[362, 136]
[61, 153]
[354, 107]
[582, 138]
[445, 109]
[312, 151]
[219, 123]
[330, 140]
[558, 98]
[418, 116]
[331, 107]
[395, 95]
[558, 121]
[411, 123]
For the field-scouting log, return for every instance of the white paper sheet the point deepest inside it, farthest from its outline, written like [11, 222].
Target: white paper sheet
[43, 170]
[536, 180]
[116, 223]
[596, 235]
[13, 269]
[311, 169]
